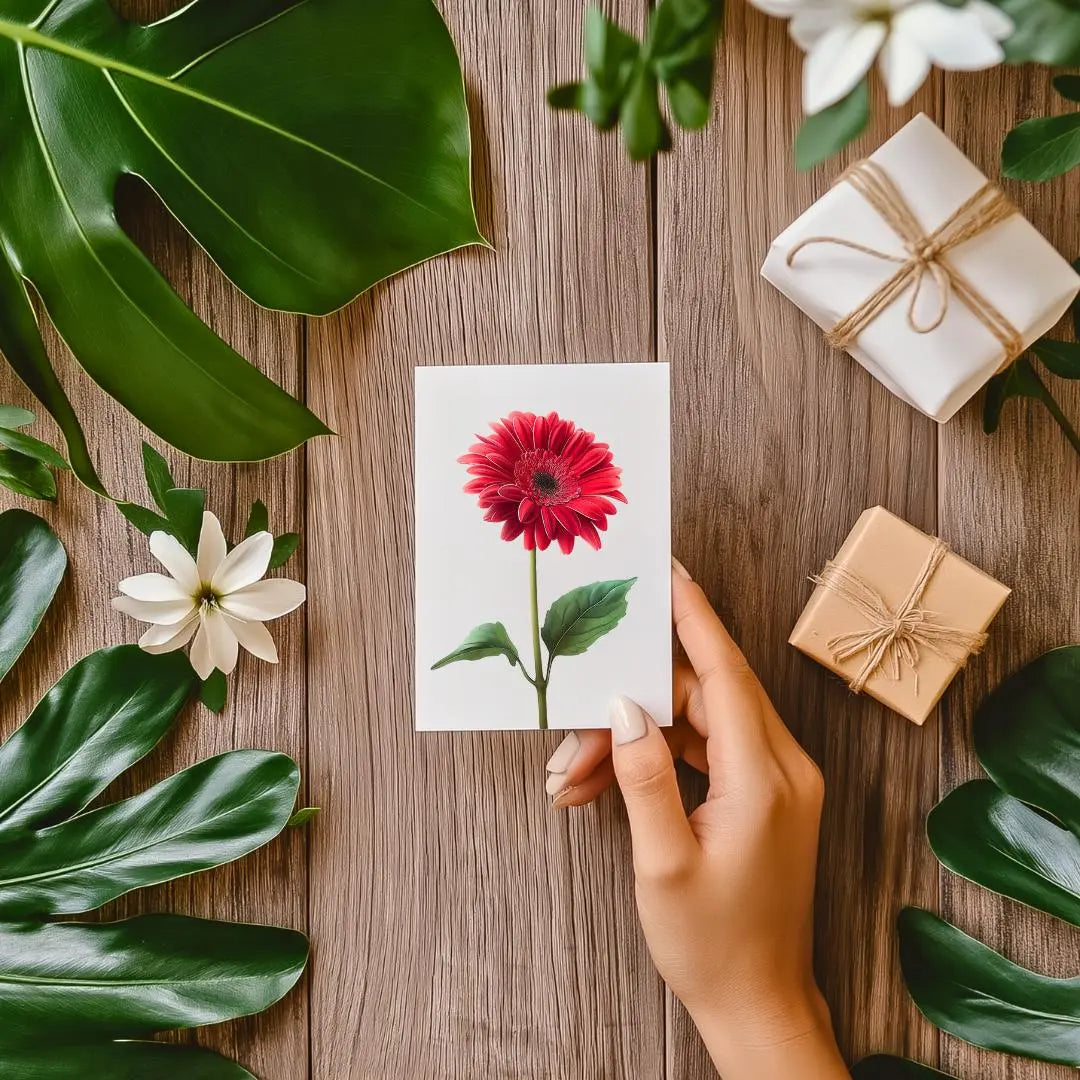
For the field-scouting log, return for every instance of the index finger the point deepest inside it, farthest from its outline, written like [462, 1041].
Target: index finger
[729, 686]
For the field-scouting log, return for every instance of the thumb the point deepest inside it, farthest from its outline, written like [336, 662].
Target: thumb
[663, 841]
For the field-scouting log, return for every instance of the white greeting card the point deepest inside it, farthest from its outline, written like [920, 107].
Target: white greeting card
[543, 553]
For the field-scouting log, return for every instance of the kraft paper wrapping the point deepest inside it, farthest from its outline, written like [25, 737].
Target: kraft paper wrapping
[1012, 265]
[888, 553]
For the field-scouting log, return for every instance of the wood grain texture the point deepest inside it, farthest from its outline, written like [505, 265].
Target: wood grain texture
[267, 706]
[474, 931]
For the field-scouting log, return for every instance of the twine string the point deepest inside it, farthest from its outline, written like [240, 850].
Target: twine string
[893, 640]
[925, 257]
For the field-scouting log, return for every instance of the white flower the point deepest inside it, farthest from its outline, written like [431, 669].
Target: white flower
[218, 597]
[842, 38]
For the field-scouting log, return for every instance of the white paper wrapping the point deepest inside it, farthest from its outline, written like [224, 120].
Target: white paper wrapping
[1011, 264]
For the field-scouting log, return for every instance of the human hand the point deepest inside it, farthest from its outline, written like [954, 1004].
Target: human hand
[725, 896]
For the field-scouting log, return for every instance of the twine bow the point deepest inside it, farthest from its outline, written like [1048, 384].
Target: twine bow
[895, 638]
[925, 257]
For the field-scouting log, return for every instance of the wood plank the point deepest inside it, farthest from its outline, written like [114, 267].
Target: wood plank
[1011, 503]
[780, 442]
[462, 929]
[267, 705]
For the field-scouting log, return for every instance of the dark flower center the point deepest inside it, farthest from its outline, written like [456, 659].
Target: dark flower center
[545, 483]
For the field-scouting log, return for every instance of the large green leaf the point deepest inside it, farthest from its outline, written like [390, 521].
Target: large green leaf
[1047, 31]
[977, 995]
[1027, 735]
[119, 1061]
[32, 562]
[995, 840]
[312, 147]
[1062, 358]
[207, 815]
[104, 714]
[584, 615]
[488, 639]
[1042, 148]
[883, 1067]
[65, 982]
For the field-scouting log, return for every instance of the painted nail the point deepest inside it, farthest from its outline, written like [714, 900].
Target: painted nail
[556, 782]
[627, 721]
[680, 569]
[562, 800]
[564, 754]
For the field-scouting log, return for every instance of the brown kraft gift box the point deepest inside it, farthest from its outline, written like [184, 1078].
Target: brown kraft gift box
[896, 614]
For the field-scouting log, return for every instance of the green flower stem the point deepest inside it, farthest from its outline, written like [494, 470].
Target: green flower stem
[539, 680]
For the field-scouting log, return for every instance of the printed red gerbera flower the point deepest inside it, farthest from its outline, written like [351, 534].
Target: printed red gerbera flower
[545, 480]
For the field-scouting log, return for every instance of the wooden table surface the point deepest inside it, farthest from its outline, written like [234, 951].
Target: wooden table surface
[460, 928]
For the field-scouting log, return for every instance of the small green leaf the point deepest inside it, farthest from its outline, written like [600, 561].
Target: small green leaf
[1047, 31]
[303, 816]
[25, 476]
[1042, 148]
[282, 551]
[184, 509]
[30, 447]
[1068, 86]
[829, 131]
[1062, 358]
[146, 521]
[584, 615]
[159, 478]
[566, 96]
[883, 1067]
[489, 639]
[258, 520]
[11, 416]
[974, 993]
[643, 127]
[32, 564]
[214, 691]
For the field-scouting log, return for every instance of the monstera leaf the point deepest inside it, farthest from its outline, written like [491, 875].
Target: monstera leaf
[77, 999]
[1017, 833]
[312, 147]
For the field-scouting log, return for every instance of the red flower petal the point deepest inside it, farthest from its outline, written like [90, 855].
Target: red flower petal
[566, 542]
[589, 534]
[527, 510]
[511, 530]
[567, 519]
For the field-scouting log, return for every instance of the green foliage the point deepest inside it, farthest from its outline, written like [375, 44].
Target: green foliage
[829, 131]
[25, 461]
[882, 1067]
[624, 75]
[1047, 31]
[214, 691]
[579, 618]
[1046, 146]
[77, 999]
[312, 149]
[1017, 833]
[488, 639]
[303, 816]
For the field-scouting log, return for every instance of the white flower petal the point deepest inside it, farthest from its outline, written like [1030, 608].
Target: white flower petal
[200, 653]
[841, 57]
[904, 67]
[783, 9]
[212, 547]
[222, 641]
[264, 600]
[164, 612]
[152, 587]
[953, 38]
[809, 24]
[255, 638]
[245, 564]
[172, 555]
[163, 639]
[994, 20]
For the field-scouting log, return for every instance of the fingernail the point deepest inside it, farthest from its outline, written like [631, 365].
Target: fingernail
[627, 721]
[562, 800]
[556, 781]
[680, 569]
[564, 754]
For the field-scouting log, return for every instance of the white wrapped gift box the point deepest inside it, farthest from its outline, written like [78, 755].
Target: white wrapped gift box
[1011, 264]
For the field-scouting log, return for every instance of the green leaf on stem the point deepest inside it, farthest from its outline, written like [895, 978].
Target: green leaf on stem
[1042, 148]
[30, 447]
[284, 547]
[303, 816]
[884, 1067]
[974, 993]
[258, 520]
[1021, 380]
[582, 616]
[184, 509]
[159, 477]
[1062, 358]
[214, 691]
[488, 639]
[32, 563]
[829, 131]
[146, 521]
[25, 476]
[1047, 31]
